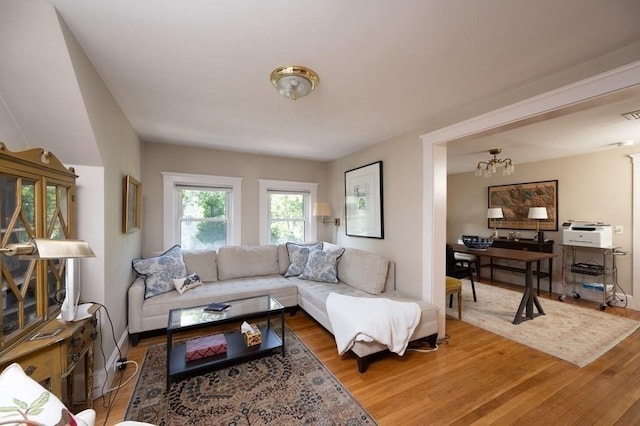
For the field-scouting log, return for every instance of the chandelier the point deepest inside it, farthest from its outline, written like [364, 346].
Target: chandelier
[294, 81]
[488, 168]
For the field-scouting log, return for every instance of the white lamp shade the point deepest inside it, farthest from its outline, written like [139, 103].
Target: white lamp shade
[538, 213]
[322, 209]
[495, 213]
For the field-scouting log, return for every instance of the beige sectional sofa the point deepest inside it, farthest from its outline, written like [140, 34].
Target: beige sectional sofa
[243, 271]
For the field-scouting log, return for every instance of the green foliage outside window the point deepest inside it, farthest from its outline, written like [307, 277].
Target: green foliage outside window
[287, 218]
[204, 219]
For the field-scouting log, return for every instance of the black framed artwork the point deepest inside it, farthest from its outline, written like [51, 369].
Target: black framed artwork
[363, 201]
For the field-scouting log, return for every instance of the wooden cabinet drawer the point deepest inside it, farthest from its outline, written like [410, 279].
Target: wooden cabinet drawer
[40, 366]
[79, 343]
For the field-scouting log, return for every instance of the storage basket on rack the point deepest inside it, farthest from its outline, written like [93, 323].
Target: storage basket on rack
[587, 269]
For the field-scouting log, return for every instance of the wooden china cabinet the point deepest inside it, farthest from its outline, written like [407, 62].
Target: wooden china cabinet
[37, 200]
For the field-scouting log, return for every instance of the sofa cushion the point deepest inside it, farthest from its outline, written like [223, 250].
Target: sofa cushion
[247, 261]
[298, 256]
[364, 270]
[159, 272]
[322, 266]
[283, 259]
[156, 309]
[202, 262]
[187, 283]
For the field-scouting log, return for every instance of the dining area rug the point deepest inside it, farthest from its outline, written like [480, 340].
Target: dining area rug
[579, 335]
[274, 389]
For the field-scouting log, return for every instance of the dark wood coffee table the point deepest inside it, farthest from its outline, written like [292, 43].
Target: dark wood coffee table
[185, 319]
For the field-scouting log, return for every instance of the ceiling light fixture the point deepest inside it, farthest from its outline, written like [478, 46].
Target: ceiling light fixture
[294, 81]
[487, 168]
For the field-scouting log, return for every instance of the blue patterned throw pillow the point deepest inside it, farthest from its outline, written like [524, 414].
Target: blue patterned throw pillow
[322, 266]
[159, 272]
[298, 255]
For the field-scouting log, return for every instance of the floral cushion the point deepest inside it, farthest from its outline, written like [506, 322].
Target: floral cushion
[322, 266]
[159, 272]
[25, 401]
[187, 283]
[298, 255]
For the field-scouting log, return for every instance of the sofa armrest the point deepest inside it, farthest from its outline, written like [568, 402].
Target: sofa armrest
[136, 299]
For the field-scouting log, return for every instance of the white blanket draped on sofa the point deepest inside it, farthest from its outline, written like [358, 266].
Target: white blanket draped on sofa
[366, 319]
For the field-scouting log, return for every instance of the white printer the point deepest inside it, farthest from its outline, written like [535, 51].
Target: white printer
[587, 234]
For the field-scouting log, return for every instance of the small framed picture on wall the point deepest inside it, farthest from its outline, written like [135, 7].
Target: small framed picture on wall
[131, 205]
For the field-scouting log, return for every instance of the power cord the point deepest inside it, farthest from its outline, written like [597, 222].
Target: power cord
[107, 396]
[121, 384]
[420, 345]
[423, 350]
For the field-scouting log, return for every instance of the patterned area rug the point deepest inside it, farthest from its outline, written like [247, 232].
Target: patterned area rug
[290, 390]
[576, 334]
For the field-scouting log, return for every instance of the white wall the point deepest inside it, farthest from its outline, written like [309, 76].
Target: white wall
[101, 205]
[160, 158]
[402, 203]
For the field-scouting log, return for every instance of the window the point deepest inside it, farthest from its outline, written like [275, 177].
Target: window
[285, 211]
[287, 216]
[200, 211]
[203, 217]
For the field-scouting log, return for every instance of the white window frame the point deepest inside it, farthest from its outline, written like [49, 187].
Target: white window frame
[266, 185]
[171, 229]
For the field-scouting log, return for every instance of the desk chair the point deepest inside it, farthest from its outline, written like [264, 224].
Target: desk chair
[470, 259]
[454, 286]
[460, 269]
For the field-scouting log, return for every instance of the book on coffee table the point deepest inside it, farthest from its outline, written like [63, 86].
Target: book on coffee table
[217, 307]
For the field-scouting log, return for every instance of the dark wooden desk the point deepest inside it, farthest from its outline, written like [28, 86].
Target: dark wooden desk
[529, 298]
[527, 245]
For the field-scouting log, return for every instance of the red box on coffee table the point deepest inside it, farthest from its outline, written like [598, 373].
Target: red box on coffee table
[206, 346]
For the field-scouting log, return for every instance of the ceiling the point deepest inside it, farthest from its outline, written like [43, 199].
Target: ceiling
[196, 72]
[592, 126]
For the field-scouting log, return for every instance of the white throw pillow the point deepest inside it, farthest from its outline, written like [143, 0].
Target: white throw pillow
[187, 283]
[24, 400]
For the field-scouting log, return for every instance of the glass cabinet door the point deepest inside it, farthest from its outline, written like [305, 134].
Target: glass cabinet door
[57, 197]
[19, 277]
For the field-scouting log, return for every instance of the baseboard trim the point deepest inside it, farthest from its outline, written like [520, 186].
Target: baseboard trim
[103, 378]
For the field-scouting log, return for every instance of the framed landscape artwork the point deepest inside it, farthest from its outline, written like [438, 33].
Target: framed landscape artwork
[516, 199]
[363, 201]
[131, 205]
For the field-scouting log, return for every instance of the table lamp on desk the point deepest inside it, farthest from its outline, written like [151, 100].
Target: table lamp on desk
[495, 213]
[538, 214]
[65, 250]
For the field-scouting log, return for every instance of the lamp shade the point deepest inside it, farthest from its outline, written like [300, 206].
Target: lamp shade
[322, 209]
[538, 213]
[42, 248]
[494, 213]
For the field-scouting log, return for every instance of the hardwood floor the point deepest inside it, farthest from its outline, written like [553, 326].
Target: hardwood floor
[474, 377]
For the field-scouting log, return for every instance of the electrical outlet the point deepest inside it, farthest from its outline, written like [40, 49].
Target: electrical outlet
[120, 365]
[618, 230]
